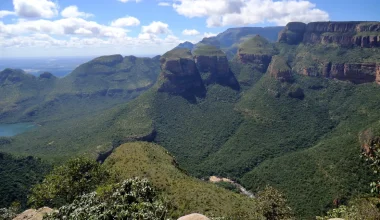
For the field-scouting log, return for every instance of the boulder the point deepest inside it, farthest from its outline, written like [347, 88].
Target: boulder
[194, 216]
[33, 214]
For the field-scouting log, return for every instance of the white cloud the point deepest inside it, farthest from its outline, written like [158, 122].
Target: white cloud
[65, 26]
[156, 27]
[6, 13]
[35, 8]
[192, 32]
[244, 12]
[72, 12]
[209, 34]
[125, 22]
[165, 4]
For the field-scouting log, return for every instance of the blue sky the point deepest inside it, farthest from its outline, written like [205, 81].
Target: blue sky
[30, 28]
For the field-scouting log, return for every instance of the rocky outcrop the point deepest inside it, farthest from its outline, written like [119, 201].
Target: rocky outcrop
[33, 214]
[256, 51]
[213, 66]
[279, 69]
[354, 72]
[362, 34]
[194, 216]
[293, 33]
[179, 74]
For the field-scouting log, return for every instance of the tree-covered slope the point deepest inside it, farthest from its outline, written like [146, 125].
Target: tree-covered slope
[280, 114]
[185, 194]
[91, 87]
[18, 175]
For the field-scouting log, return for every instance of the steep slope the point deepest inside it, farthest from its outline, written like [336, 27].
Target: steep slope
[19, 90]
[229, 40]
[18, 175]
[185, 194]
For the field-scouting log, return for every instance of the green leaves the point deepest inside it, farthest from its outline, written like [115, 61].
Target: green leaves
[65, 183]
[131, 199]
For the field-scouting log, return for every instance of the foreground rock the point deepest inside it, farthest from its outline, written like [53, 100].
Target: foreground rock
[194, 216]
[33, 214]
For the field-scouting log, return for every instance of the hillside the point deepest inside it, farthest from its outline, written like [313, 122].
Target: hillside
[185, 194]
[229, 40]
[91, 87]
[288, 114]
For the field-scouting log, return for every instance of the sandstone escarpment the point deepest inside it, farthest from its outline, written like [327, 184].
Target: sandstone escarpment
[213, 66]
[179, 74]
[354, 72]
[257, 51]
[362, 34]
[279, 69]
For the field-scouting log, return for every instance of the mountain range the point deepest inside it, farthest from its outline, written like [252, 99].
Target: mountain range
[292, 112]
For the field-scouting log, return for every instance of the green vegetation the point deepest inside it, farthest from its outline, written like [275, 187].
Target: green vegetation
[18, 175]
[257, 45]
[179, 52]
[186, 194]
[207, 50]
[300, 137]
[130, 199]
[65, 183]
[228, 186]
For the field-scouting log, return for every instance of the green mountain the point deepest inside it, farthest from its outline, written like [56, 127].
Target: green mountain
[229, 40]
[93, 86]
[288, 114]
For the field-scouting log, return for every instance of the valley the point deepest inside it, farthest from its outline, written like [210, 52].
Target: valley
[287, 112]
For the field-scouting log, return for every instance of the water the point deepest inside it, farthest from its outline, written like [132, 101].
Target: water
[9, 130]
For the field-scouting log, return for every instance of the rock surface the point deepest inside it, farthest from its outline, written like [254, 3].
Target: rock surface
[179, 74]
[33, 214]
[279, 69]
[194, 216]
[362, 34]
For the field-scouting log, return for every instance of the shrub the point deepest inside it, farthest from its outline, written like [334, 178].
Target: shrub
[130, 199]
[273, 205]
[77, 177]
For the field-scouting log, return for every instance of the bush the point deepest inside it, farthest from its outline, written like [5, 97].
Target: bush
[273, 205]
[77, 177]
[131, 199]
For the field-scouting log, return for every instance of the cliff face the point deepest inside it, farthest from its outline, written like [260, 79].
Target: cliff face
[279, 69]
[257, 51]
[179, 74]
[362, 34]
[213, 66]
[354, 72]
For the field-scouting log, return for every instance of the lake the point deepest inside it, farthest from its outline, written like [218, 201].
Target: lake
[9, 130]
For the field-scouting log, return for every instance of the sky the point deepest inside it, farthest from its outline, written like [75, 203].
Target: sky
[53, 28]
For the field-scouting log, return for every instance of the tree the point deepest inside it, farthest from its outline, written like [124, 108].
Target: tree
[130, 199]
[77, 177]
[273, 205]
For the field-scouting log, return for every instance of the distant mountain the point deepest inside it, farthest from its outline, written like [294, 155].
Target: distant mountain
[290, 113]
[229, 40]
[98, 84]
[186, 45]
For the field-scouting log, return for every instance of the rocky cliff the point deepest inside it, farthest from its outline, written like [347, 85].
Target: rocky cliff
[179, 74]
[362, 34]
[279, 69]
[257, 51]
[213, 66]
